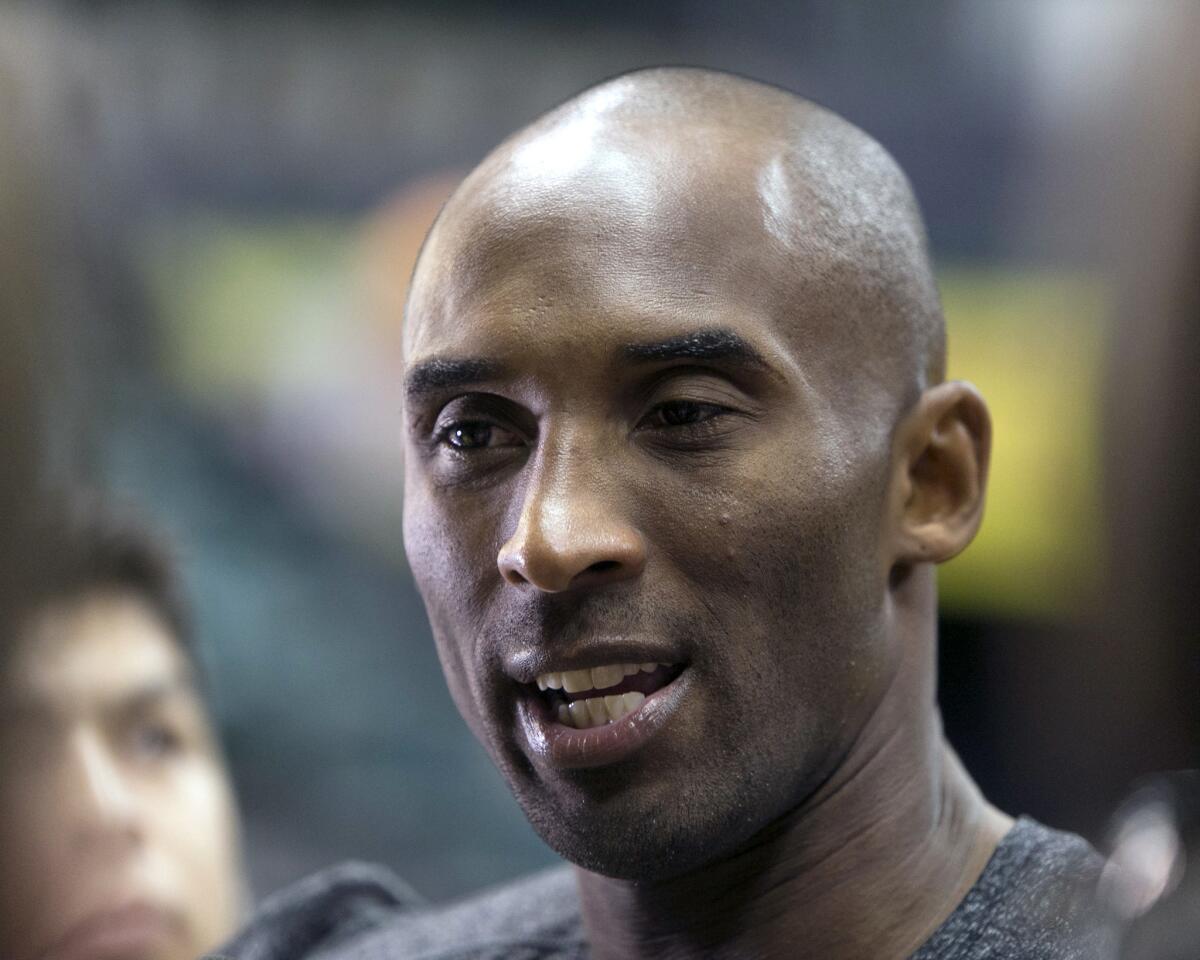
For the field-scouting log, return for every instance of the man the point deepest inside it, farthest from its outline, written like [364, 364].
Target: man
[680, 462]
[117, 820]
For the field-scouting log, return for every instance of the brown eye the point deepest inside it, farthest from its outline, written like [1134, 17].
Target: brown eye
[467, 435]
[683, 413]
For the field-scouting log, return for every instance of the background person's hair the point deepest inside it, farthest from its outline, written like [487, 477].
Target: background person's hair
[86, 546]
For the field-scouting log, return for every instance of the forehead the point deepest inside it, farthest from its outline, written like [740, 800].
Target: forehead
[92, 652]
[577, 242]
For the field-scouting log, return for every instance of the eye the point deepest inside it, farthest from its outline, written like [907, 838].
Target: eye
[683, 413]
[466, 435]
[152, 740]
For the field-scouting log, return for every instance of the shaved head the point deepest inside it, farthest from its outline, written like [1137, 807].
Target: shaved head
[809, 210]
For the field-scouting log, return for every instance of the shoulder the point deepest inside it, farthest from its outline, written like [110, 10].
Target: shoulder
[359, 912]
[319, 910]
[536, 917]
[1035, 899]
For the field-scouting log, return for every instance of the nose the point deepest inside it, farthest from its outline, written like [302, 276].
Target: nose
[103, 801]
[571, 533]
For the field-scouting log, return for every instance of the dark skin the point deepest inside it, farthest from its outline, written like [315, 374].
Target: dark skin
[674, 363]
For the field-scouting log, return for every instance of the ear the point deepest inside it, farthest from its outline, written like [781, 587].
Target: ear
[939, 473]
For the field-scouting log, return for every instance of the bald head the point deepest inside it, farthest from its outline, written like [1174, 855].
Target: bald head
[711, 178]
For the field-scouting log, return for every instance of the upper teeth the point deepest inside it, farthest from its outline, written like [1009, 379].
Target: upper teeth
[597, 711]
[597, 678]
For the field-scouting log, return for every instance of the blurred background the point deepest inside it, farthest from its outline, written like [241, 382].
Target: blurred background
[222, 203]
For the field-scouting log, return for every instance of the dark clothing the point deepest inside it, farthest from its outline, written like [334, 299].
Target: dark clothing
[1033, 901]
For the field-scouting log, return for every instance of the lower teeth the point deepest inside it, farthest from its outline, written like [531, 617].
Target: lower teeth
[597, 711]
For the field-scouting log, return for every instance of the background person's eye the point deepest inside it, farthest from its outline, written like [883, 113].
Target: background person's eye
[153, 740]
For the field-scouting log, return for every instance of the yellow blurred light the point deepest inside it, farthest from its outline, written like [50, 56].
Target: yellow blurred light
[1033, 342]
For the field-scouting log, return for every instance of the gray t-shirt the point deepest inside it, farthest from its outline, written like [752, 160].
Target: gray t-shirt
[1033, 901]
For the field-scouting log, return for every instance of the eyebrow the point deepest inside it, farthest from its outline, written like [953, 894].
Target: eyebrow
[701, 345]
[429, 376]
[143, 696]
[150, 694]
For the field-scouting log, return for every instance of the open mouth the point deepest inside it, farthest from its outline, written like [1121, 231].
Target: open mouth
[601, 695]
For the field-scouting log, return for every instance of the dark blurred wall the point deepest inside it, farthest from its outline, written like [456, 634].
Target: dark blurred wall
[1114, 181]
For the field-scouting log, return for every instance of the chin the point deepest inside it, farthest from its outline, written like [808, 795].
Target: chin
[647, 838]
[633, 857]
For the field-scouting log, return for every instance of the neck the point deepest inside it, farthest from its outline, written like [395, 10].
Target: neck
[869, 865]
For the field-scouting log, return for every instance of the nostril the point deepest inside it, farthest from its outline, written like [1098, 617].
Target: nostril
[513, 576]
[602, 571]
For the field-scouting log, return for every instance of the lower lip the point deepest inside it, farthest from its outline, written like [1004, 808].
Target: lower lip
[125, 934]
[566, 748]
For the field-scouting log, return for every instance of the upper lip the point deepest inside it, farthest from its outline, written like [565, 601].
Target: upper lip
[525, 666]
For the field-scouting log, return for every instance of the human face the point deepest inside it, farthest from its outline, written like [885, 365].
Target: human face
[622, 450]
[117, 821]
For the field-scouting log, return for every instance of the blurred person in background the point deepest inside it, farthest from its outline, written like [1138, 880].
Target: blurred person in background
[118, 828]
[117, 818]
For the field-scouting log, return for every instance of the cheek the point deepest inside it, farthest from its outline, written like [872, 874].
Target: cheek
[200, 794]
[451, 549]
[33, 864]
[454, 569]
[785, 559]
[197, 828]
[809, 524]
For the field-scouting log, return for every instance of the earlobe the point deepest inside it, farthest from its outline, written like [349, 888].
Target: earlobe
[939, 473]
